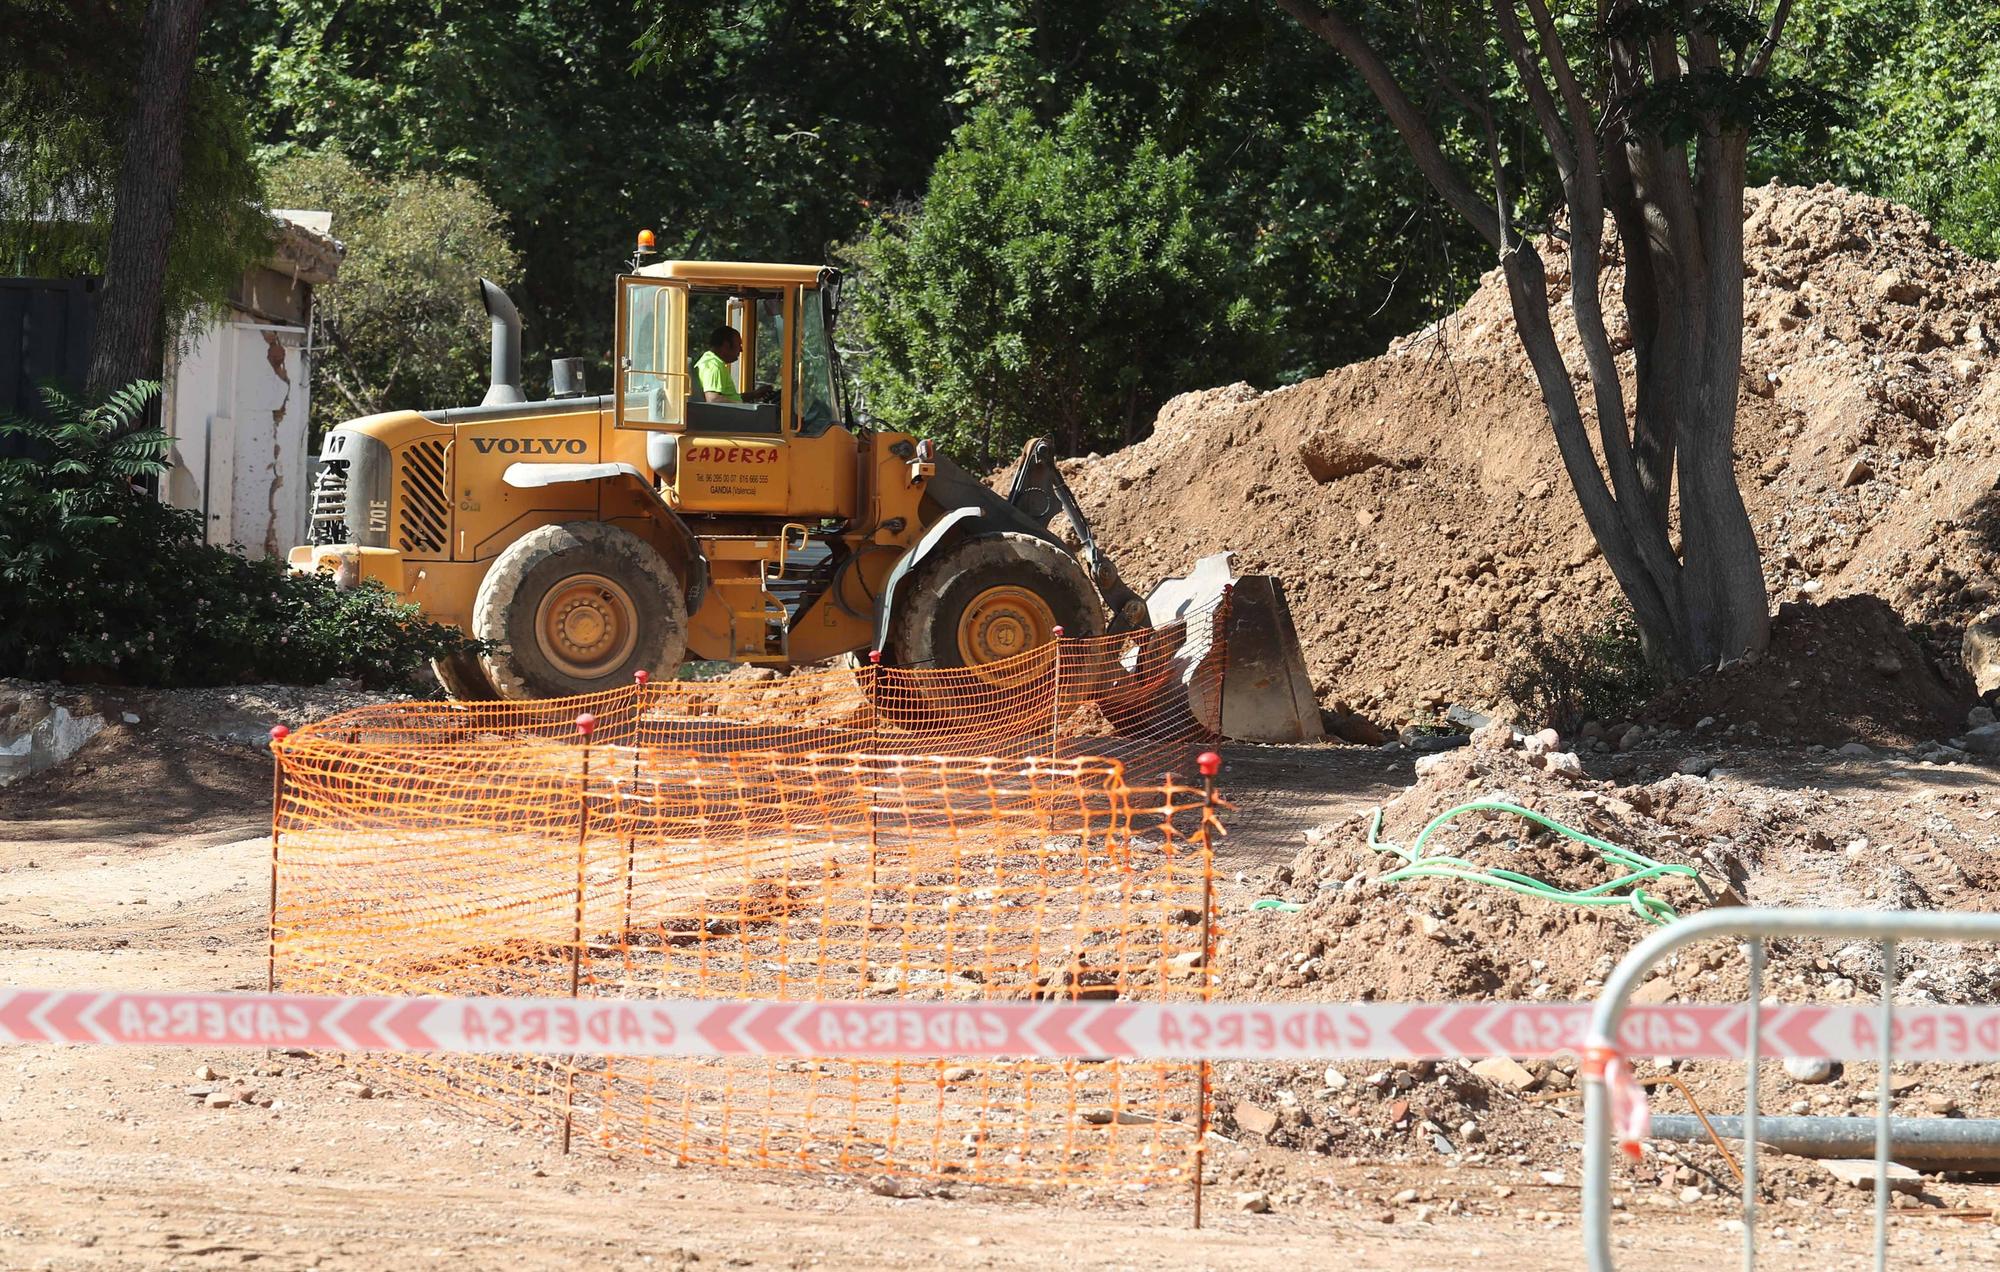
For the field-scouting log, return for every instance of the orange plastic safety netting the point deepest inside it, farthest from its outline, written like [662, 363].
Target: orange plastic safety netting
[705, 842]
[1150, 698]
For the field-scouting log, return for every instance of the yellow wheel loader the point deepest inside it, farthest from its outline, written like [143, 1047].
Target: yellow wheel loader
[586, 538]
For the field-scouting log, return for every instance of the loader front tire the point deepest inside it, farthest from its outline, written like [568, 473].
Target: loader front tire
[976, 611]
[577, 608]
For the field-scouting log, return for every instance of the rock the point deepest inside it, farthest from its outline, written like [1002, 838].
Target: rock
[1978, 716]
[1698, 765]
[1563, 762]
[1810, 1070]
[1541, 743]
[128, 717]
[359, 1090]
[1328, 456]
[1984, 740]
[1887, 664]
[1254, 1203]
[1185, 963]
[958, 1073]
[1493, 737]
[1857, 472]
[1653, 992]
[1631, 737]
[1505, 1071]
[1405, 1197]
[1857, 751]
[219, 1100]
[1466, 718]
[206, 1074]
[1892, 286]
[1690, 1195]
[1859, 1172]
[1335, 1079]
[1980, 651]
[1940, 1104]
[1254, 1118]
[1363, 518]
[889, 1186]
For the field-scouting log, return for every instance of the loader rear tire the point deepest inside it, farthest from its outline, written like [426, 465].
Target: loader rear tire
[577, 608]
[977, 609]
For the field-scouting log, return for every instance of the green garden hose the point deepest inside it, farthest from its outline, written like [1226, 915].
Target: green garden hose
[1417, 866]
[1640, 867]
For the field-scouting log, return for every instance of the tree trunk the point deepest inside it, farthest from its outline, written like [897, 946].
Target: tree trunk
[127, 344]
[1679, 214]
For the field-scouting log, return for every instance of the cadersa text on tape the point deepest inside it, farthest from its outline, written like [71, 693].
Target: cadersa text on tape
[1103, 1029]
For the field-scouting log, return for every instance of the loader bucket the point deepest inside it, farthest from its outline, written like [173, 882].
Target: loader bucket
[1267, 694]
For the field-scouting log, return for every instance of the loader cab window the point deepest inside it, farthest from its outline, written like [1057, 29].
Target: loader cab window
[652, 385]
[818, 396]
[710, 309]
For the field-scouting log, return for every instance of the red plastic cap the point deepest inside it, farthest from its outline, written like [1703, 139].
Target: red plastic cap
[642, 676]
[279, 733]
[1210, 763]
[875, 657]
[585, 723]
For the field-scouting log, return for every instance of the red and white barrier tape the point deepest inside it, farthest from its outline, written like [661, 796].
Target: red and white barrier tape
[1217, 1031]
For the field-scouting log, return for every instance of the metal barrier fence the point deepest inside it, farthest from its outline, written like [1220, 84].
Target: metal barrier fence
[1600, 1069]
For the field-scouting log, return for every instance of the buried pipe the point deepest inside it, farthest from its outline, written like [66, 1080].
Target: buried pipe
[1932, 1143]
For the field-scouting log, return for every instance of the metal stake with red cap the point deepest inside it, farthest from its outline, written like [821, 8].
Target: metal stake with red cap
[1211, 765]
[278, 734]
[584, 724]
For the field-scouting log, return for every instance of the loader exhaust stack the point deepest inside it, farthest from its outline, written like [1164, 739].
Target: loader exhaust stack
[505, 388]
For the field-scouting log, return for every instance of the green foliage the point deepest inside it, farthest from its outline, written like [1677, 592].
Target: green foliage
[755, 135]
[1922, 79]
[1055, 281]
[63, 118]
[773, 129]
[105, 583]
[1566, 678]
[402, 325]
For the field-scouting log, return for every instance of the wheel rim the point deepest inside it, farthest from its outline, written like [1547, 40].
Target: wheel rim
[1002, 623]
[587, 626]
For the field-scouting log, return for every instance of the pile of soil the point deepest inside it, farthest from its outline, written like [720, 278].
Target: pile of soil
[1416, 510]
[1358, 938]
[1834, 673]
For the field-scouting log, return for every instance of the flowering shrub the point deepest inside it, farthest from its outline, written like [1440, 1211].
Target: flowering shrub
[99, 581]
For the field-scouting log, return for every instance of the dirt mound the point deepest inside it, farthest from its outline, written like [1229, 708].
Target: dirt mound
[1417, 512]
[1834, 673]
[1362, 938]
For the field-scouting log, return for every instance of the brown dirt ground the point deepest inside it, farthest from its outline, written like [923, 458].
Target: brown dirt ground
[1444, 533]
[106, 1163]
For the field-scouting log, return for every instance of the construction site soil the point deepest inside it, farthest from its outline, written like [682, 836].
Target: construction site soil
[107, 1162]
[1415, 508]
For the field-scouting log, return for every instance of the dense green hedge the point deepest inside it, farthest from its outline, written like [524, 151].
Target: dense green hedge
[103, 583]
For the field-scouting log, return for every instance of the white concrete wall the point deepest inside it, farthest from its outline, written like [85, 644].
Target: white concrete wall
[236, 404]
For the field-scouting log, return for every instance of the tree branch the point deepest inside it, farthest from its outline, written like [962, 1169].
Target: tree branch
[1766, 50]
[1409, 122]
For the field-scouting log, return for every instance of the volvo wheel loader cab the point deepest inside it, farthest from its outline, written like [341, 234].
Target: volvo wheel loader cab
[585, 538]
